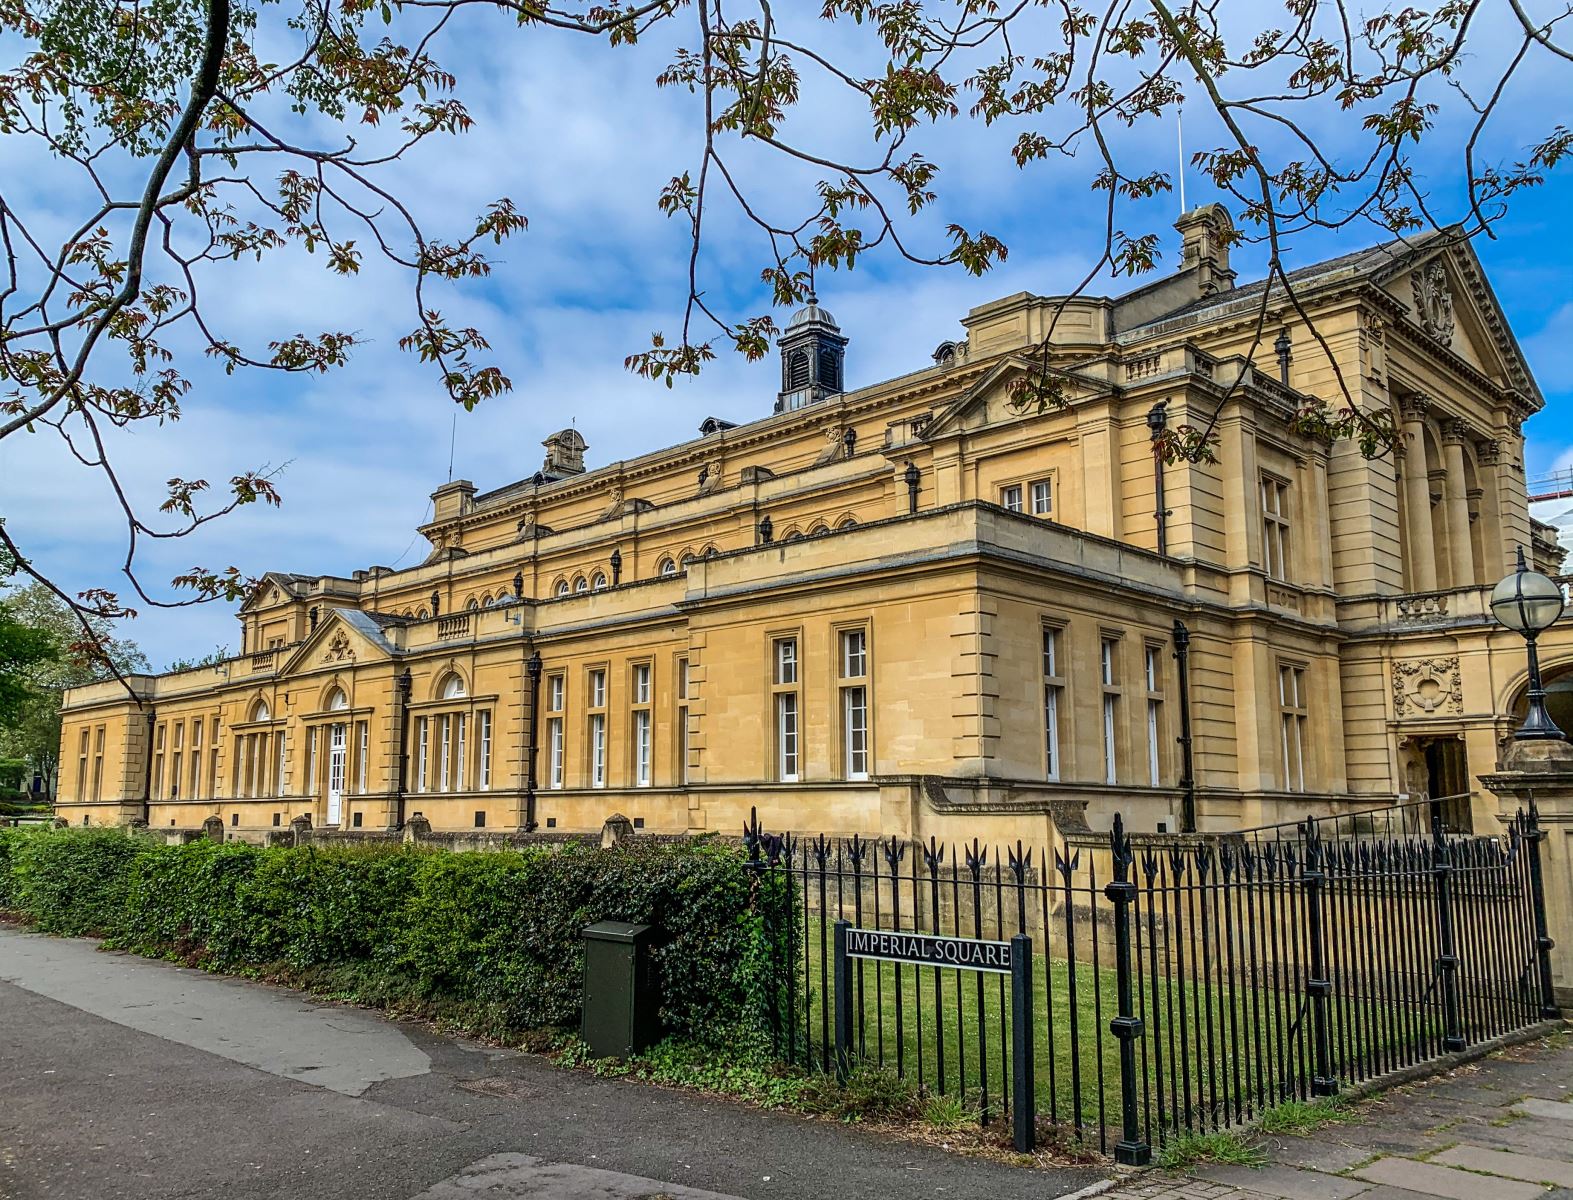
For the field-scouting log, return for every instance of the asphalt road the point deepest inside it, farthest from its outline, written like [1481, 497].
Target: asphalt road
[124, 1078]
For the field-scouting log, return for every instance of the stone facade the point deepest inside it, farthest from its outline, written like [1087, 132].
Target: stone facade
[922, 607]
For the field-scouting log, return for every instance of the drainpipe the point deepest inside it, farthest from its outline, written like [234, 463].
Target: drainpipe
[403, 684]
[1157, 422]
[534, 668]
[1182, 656]
[147, 771]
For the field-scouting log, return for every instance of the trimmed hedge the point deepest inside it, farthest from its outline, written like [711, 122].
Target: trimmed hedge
[492, 940]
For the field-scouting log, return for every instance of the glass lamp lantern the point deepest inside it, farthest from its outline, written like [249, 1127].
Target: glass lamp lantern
[1528, 603]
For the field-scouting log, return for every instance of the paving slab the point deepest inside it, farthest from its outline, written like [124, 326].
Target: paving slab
[1510, 1164]
[1291, 1183]
[1556, 1110]
[511, 1176]
[1448, 1182]
[1313, 1154]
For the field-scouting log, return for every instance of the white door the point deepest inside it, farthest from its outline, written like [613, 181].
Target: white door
[336, 774]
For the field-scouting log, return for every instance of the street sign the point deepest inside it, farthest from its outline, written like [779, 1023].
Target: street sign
[930, 950]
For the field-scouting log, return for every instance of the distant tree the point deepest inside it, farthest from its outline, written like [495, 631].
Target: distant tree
[174, 138]
[58, 656]
[212, 658]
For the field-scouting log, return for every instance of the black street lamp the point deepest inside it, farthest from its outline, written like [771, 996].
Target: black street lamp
[617, 566]
[767, 530]
[436, 602]
[1528, 603]
[518, 585]
[849, 440]
[911, 477]
[1281, 346]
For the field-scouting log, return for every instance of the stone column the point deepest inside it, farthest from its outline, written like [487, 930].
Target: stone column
[1460, 547]
[1543, 771]
[1417, 496]
[1488, 462]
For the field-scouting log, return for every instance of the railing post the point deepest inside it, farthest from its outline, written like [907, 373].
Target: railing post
[843, 985]
[1533, 836]
[1126, 1026]
[1318, 986]
[1447, 960]
[1024, 1094]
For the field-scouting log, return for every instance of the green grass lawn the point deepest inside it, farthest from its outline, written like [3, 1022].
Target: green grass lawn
[1233, 1048]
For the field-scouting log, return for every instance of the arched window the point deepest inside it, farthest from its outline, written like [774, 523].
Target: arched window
[711, 551]
[453, 688]
[473, 605]
[797, 370]
[599, 582]
[337, 700]
[261, 712]
[489, 601]
[667, 567]
[846, 523]
[795, 536]
[580, 585]
[687, 559]
[561, 589]
[819, 531]
[420, 614]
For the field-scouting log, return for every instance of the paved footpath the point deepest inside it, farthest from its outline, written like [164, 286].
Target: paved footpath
[125, 1079]
[1500, 1129]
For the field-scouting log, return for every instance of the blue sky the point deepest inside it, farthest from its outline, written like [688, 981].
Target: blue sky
[582, 142]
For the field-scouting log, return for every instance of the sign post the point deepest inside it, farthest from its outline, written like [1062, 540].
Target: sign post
[1013, 958]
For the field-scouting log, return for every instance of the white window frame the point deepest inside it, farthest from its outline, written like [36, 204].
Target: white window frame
[1108, 673]
[444, 749]
[554, 759]
[788, 737]
[1292, 716]
[461, 773]
[1042, 496]
[641, 683]
[1276, 529]
[855, 730]
[598, 750]
[642, 747]
[1011, 498]
[1053, 695]
[854, 653]
[362, 755]
[484, 774]
[422, 751]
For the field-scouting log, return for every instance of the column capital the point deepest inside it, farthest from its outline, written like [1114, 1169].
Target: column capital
[1455, 432]
[1414, 406]
[1489, 452]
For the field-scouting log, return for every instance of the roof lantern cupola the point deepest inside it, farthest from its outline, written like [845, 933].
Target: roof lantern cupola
[813, 358]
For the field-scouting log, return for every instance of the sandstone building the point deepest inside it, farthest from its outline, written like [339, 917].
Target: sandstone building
[920, 606]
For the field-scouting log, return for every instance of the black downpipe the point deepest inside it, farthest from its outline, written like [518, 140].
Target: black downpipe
[403, 685]
[534, 667]
[1182, 656]
[1157, 422]
[147, 771]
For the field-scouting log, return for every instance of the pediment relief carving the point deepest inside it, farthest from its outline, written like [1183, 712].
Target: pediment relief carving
[1433, 300]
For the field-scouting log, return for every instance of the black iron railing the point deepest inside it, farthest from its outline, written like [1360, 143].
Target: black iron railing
[1176, 988]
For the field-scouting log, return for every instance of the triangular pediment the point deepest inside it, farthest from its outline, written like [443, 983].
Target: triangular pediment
[342, 637]
[275, 587]
[1451, 304]
[991, 400]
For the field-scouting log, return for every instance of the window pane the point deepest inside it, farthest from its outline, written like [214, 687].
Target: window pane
[1042, 498]
[854, 654]
[854, 709]
[786, 660]
[786, 736]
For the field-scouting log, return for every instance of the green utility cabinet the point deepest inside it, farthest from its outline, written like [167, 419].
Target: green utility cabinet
[620, 994]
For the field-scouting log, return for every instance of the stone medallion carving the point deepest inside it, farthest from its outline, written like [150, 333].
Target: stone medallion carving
[338, 648]
[1426, 687]
[1433, 300]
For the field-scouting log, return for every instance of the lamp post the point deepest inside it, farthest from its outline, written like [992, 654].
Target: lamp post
[911, 477]
[1282, 347]
[617, 566]
[849, 440]
[518, 585]
[767, 530]
[1528, 602]
[1157, 422]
